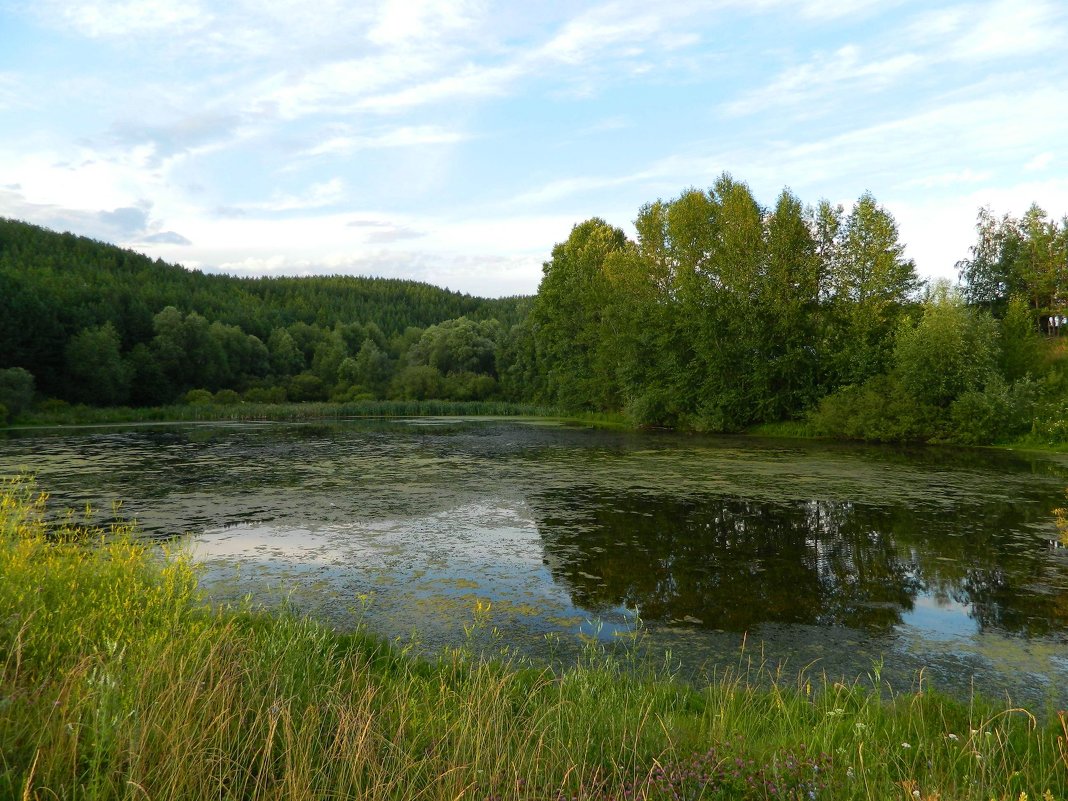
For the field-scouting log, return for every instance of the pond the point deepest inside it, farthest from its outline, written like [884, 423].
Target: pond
[724, 552]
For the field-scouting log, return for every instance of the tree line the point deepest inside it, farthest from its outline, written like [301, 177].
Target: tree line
[720, 314]
[86, 322]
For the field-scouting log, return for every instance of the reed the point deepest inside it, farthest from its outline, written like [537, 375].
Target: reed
[118, 681]
[285, 412]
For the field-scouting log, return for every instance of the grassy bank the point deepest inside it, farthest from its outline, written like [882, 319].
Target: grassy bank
[802, 429]
[282, 412]
[118, 682]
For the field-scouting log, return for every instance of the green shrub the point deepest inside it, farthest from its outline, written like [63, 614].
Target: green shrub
[999, 411]
[306, 387]
[198, 397]
[266, 395]
[880, 410]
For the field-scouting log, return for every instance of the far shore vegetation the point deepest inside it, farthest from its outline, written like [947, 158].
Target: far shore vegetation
[721, 315]
[119, 681]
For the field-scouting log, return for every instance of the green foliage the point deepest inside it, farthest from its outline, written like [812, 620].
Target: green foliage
[996, 413]
[1018, 257]
[417, 382]
[468, 386]
[265, 395]
[330, 352]
[3, 415]
[285, 358]
[149, 385]
[371, 368]
[721, 314]
[306, 386]
[870, 284]
[880, 410]
[1021, 344]
[460, 345]
[55, 286]
[95, 365]
[567, 317]
[16, 390]
[952, 350]
[198, 397]
[226, 397]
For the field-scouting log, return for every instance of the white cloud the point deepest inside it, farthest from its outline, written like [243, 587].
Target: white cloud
[836, 9]
[317, 196]
[339, 83]
[125, 225]
[1039, 162]
[947, 179]
[567, 187]
[404, 22]
[586, 36]
[470, 82]
[929, 41]
[1010, 28]
[344, 143]
[126, 18]
[826, 75]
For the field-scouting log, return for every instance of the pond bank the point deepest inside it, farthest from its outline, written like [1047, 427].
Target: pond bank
[121, 683]
[69, 416]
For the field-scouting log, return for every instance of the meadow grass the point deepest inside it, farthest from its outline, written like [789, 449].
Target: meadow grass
[118, 681]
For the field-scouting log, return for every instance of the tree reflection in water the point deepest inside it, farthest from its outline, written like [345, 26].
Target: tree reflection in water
[732, 563]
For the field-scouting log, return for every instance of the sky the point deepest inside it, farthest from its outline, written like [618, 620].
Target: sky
[455, 142]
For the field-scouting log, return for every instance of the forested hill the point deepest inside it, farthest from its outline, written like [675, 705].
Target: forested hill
[54, 286]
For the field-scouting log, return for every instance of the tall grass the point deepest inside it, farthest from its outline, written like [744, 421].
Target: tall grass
[117, 681]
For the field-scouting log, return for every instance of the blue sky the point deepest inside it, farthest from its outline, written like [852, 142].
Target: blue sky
[456, 142]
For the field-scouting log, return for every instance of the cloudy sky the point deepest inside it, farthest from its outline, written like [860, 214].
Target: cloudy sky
[454, 142]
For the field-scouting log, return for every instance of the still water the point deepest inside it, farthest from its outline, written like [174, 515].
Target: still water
[722, 551]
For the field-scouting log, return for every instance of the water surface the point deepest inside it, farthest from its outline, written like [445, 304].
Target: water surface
[835, 556]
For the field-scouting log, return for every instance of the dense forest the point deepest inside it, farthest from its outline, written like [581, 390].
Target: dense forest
[92, 323]
[721, 314]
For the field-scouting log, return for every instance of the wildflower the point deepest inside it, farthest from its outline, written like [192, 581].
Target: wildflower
[915, 793]
[906, 745]
[952, 737]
